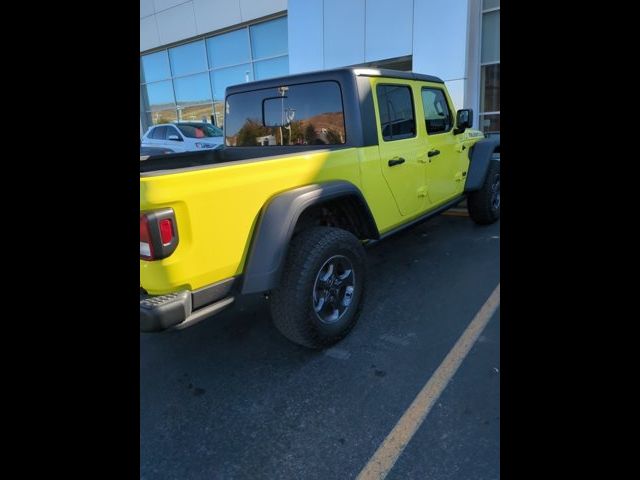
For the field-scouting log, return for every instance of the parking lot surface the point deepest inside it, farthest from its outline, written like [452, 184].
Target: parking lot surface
[230, 398]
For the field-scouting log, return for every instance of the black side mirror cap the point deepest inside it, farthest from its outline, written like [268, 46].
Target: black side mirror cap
[464, 120]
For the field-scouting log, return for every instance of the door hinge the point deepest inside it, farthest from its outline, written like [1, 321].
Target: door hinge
[459, 176]
[422, 192]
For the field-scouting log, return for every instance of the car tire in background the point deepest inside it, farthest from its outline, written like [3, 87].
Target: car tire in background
[320, 295]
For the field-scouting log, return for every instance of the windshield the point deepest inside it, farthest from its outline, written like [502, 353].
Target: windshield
[200, 130]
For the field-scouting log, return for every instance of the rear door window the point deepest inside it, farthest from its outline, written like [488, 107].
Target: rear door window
[172, 131]
[397, 118]
[158, 133]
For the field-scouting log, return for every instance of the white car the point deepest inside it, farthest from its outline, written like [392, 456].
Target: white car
[184, 136]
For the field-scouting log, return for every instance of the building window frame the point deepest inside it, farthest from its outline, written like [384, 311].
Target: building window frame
[482, 113]
[147, 113]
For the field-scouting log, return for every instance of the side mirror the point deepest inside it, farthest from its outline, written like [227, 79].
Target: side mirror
[174, 137]
[464, 120]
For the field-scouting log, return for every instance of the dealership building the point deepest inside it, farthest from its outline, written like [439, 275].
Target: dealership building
[192, 50]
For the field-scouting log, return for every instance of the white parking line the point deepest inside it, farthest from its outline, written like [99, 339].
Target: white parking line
[387, 454]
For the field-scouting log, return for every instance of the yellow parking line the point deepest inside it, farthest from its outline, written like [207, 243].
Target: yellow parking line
[387, 454]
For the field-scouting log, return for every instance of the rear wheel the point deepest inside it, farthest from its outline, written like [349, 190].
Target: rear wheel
[484, 204]
[322, 287]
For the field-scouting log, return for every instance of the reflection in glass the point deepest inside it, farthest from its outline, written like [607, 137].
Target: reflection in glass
[159, 95]
[228, 49]
[199, 130]
[221, 79]
[218, 113]
[275, 67]
[490, 88]
[198, 73]
[307, 114]
[154, 67]
[490, 37]
[194, 89]
[396, 112]
[269, 39]
[163, 116]
[187, 59]
[436, 111]
[197, 113]
[490, 123]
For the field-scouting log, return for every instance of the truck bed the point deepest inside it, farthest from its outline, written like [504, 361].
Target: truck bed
[157, 164]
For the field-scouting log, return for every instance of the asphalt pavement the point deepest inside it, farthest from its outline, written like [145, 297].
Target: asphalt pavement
[230, 398]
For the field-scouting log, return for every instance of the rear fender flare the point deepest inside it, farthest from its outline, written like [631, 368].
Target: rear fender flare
[276, 225]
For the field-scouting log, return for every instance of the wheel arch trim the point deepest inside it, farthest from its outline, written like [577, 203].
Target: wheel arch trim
[276, 225]
[480, 156]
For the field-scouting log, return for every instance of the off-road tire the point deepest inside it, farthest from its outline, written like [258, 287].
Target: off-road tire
[292, 302]
[482, 203]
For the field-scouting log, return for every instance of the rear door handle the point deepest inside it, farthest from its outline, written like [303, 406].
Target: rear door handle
[433, 153]
[396, 161]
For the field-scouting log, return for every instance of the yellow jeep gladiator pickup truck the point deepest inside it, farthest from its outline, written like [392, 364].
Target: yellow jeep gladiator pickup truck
[314, 167]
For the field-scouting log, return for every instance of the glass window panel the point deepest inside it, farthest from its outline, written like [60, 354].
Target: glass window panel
[228, 49]
[218, 113]
[221, 79]
[307, 114]
[159, 95]
[269, 39]
[146, 120]
[197, 113]
[154, 133]
[490, 88]
[154, 67]
[172, 131]
[396, 112]
[487, 4]
[163, 116]
[490, 123]
[199, 130]
[437, 115]
[192, 90]
[491, 37]
[189, 58]
[274, 67]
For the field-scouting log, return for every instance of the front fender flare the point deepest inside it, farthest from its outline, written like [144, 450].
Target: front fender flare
[480, 156]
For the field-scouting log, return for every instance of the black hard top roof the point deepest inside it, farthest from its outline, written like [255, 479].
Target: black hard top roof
[324, 74]
[384, 72]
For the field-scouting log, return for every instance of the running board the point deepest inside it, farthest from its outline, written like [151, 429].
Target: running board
[419, 220]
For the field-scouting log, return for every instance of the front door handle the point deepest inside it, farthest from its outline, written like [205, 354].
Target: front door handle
[433, 153]
[396, 161]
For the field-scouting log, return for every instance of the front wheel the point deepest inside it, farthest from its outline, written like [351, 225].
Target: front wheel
[484, 204]
[322, 287]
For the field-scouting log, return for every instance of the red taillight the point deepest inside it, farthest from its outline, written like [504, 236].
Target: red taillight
[166, 231]
[146, 245]
[158, 234]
